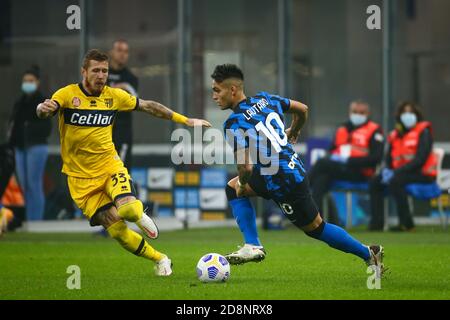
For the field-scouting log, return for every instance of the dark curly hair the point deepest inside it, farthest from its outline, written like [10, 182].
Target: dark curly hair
[34, 70]
[415, 109]
[227, 71]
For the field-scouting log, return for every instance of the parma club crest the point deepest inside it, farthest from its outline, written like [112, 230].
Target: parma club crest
[108, 102]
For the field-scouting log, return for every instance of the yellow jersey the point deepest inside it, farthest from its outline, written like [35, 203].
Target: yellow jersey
[85, 128]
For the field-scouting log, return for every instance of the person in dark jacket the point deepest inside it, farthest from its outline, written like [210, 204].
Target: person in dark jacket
[409, 159]
[356, 150]
[120, 76]
[28, 137]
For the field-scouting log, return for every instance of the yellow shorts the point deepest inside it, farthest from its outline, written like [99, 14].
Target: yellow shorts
[92, 195]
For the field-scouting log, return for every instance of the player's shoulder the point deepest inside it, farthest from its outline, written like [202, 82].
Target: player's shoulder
[67, 91]
[69, 88]
[117, 92]
[273, 98]
[232, 118]
[258, 97]
[268, 95]
[270, 98]
[263, 94]
[236, 120]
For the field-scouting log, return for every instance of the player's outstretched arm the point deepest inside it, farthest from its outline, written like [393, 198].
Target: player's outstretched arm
[158, 110]
[46, 109]
[299, 116]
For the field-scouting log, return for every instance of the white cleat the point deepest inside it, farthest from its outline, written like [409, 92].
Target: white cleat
[148, 226]
[163, 268]
[247, 253]
[376, 258]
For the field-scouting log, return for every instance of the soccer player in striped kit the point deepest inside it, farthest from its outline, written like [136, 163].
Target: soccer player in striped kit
[269, 167]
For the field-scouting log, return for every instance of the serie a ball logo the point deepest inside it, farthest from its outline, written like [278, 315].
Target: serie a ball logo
[213, 267]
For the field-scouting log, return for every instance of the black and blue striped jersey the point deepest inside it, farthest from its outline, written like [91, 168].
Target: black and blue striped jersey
[257, 124]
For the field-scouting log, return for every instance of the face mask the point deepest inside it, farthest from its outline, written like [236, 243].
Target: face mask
[408, 119]
[29, 87]
[357, 119]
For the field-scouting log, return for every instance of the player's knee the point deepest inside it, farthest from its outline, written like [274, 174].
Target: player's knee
[231, 193]
[313, 224]
[316, 232]
[105, 218]
[131, 211]
[302, 212]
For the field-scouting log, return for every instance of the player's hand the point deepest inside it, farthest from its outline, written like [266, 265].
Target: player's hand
[191, 122]
[387, 175]
[240, 192]
[46, 108]
[241, 189]
[292, 136]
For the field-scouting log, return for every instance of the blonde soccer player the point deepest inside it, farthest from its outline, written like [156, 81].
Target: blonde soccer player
[98, 181]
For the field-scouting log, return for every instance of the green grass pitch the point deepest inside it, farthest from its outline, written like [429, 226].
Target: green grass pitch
[33, 266]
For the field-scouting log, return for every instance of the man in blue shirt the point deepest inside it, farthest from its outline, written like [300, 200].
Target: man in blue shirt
[269, 167]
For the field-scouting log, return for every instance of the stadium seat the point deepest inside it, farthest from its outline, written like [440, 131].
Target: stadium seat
[429, 191]
[420, 191]
[347, 187]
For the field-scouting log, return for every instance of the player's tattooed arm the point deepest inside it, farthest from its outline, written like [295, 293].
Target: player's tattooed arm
[47, 109]
[299, 113]
[158, 110]
[155, 109]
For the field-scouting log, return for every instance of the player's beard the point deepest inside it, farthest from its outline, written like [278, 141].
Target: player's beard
[229, 105]
[224, 105]
[95, 89]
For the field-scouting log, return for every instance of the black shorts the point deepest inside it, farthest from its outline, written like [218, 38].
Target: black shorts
[298, 205]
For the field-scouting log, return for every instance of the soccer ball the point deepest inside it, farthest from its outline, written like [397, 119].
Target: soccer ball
[213, 267]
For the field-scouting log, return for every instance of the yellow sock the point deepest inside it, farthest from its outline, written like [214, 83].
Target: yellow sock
[133, 242]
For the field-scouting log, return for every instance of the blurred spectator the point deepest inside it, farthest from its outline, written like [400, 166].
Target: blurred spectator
[6, 216]
[6, 166]
[29, 136]
[356, 150]
[121, 77]
[6, 170]
[409, 160]
[13, 211]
